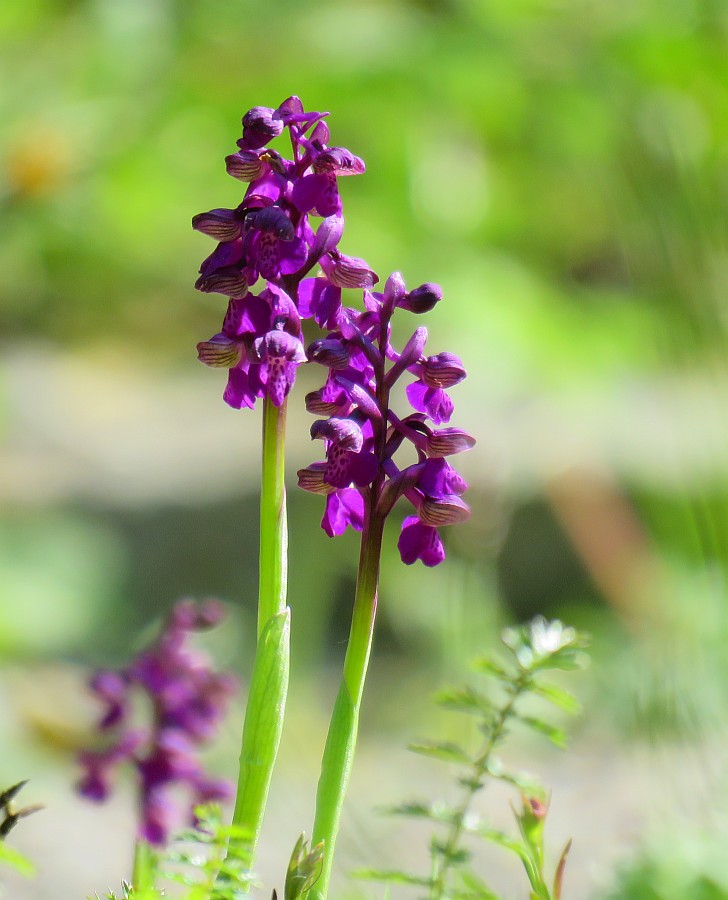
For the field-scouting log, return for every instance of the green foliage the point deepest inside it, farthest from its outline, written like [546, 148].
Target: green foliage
[216, 863]
[532, 649]
[304, 869]
[9, 856]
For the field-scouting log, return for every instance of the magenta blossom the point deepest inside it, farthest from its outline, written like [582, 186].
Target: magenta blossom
[187, 702]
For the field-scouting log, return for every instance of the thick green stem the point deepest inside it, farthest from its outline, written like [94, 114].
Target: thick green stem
[341, 740]
[145, 864]
[269, 682]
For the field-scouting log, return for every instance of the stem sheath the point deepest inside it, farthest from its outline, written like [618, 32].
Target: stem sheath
[269, 682]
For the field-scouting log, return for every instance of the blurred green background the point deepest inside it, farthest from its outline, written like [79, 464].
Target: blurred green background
[561, 168]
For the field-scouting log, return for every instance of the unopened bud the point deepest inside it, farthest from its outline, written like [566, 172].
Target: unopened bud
[422, 299]
[260, 125]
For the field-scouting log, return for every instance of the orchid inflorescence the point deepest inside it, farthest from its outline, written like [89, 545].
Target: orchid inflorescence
[187, 702]
[270, 236]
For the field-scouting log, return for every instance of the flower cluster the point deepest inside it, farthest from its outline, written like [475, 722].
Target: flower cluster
[187, 703]
[271, 236]
[362, 434]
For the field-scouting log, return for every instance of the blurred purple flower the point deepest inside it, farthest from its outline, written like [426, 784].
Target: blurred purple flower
[187, 701]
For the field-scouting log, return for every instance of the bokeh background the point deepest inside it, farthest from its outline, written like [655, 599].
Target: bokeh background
[561, 168]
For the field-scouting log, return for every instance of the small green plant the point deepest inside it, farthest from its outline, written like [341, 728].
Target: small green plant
[532, 649]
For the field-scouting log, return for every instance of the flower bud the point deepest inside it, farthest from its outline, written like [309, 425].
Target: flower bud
[442, 370]
[221, 224]
[329, 352]
[422, 299]
[260, 125]
[245, 165]
[446, 511]
[346, 433]
[394, 290]
[227, 280]
[448, 442]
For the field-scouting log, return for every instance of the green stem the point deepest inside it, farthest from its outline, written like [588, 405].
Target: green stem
[269, 682]
[144, 868]
[273, 564]
[341, 739]
[475, 782]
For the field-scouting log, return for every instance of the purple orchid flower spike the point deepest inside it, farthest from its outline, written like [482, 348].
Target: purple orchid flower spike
[188, 701]
[272, 236]
[362, 434]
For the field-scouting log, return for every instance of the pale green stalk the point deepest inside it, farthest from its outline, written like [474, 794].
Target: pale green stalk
[269, 683]
[341, 739]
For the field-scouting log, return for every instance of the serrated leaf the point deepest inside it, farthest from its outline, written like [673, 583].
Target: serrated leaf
[456, 856]
[391, 876]
[554, 734]
[434, 812]
[444, 750]
[464, 699]
[525, 783]
[558, 696]
[490, 665]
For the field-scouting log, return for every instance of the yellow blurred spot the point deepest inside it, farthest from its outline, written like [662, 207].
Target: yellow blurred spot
[37, 163]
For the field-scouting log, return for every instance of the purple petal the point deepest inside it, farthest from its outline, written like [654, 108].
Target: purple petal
[238, 392]
[320, 300]
[432, 401]
[418, 541]
[440, 480]
[343, 508]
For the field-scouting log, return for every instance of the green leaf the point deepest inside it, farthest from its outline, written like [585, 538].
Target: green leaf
[491, 665]
[559, 876]
[464, 699]
[475, 888]
[444, 750]
[554, 734]
[263, 723]
[558, 696]
[391, 876]
[9, 856]
[434, 812]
